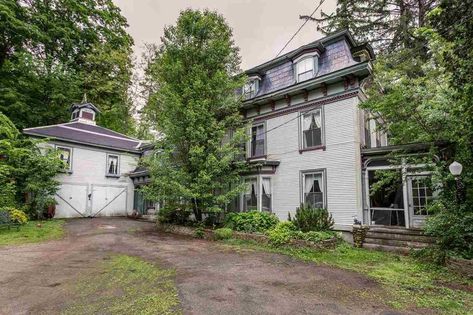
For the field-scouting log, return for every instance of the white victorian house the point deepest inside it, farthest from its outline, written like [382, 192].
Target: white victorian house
[96, 181]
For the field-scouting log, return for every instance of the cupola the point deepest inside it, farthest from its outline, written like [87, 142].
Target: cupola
[84, 112]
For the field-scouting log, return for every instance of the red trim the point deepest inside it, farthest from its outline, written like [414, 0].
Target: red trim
[319, 147]
[288, 99]
[324, 89]
[287, 110]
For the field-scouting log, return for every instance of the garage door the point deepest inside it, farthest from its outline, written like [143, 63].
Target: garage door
[72, 201]
[109, 200]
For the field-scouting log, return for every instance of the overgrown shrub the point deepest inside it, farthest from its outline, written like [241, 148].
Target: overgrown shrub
[199, 232]
[174, 214]
[452, 226]
[308, 218]
[316, 236]
[16, 216]
[282, 233]
[253, 221]
[223, 233]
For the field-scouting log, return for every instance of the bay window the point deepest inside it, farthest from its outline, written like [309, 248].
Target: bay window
[266, 194]
[251, 195]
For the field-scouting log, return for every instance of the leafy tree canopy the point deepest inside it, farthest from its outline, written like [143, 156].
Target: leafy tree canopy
[52, 52]
[195, 107]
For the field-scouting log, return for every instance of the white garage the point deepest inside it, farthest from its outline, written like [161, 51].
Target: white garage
[95, 181]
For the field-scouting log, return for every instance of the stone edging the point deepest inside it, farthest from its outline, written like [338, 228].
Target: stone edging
[260, 238]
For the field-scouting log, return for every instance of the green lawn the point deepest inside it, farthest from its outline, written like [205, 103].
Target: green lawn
[408, 282]
[32, 232]
[126, 285]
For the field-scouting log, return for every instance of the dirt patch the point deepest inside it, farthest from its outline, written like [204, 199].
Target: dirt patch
[211, 278]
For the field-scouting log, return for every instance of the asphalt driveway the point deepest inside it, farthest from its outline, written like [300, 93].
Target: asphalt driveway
[211, 278]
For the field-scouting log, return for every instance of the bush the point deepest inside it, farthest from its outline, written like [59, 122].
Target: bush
[199, 232]
[308, 218]
[223, 233]
[282, 233]
[174, 214]
[316, 236]
[452, 226]
[253, 221]
[16, 216]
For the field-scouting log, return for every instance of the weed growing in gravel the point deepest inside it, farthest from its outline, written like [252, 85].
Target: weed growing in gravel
[408, 282]
[126, 285]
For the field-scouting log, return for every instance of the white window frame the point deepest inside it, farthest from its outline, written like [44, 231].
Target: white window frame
[250, 153]
[323, 173]
[314, 57]
[302, 147]
[62, 147]
[250, 89]
[107, 165]
[87, 110]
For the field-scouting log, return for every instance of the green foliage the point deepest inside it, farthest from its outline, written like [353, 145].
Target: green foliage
[33, 232]
[405, 282]
[316, 236]
[386, 25]
[125, 285]
[452, 226]
[25, 170]
[51, 52]
[195, 107]
[16, 216]
[282, 233]
[174, 214]
[223, 233]
[253, 221]
[199, 232]
[308, 218]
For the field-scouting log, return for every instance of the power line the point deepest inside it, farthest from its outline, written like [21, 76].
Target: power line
[303, 24]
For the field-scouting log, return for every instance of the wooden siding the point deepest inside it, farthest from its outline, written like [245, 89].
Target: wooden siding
[341, 159]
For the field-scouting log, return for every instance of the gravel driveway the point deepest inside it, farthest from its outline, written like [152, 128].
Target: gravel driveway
[211, 278]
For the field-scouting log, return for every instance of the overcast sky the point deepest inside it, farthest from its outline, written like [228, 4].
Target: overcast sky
[260, 27]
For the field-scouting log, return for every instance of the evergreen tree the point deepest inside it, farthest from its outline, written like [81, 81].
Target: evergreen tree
[386, 25]
[195, 107]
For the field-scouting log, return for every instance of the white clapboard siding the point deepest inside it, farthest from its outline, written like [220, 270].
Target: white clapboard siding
[110, 196]
[341, 160]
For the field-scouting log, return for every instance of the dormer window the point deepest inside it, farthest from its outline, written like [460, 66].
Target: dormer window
[306, 66]
[251, 88]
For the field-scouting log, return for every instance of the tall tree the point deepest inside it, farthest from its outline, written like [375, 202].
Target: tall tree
[195, 108]
[386, 25]
[54, 51]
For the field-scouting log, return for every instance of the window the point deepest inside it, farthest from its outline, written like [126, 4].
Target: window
[313, 189]
[250, 197]
[112, 165]
[305, 69]
[75, 114]
[312, 129]
[266, 195]
[65, 155]
[257, 141]
[421, 194]
[250, 89]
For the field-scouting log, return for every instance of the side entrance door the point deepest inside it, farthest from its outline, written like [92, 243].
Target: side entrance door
[420, 195]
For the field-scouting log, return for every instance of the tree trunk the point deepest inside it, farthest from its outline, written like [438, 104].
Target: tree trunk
[197, 211]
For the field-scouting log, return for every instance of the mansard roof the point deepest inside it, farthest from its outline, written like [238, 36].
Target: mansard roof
[86, 134]
[336, 54]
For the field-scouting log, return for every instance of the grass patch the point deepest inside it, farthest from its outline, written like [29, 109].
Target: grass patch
[32, 233]
[126, 285]
[408, 282]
